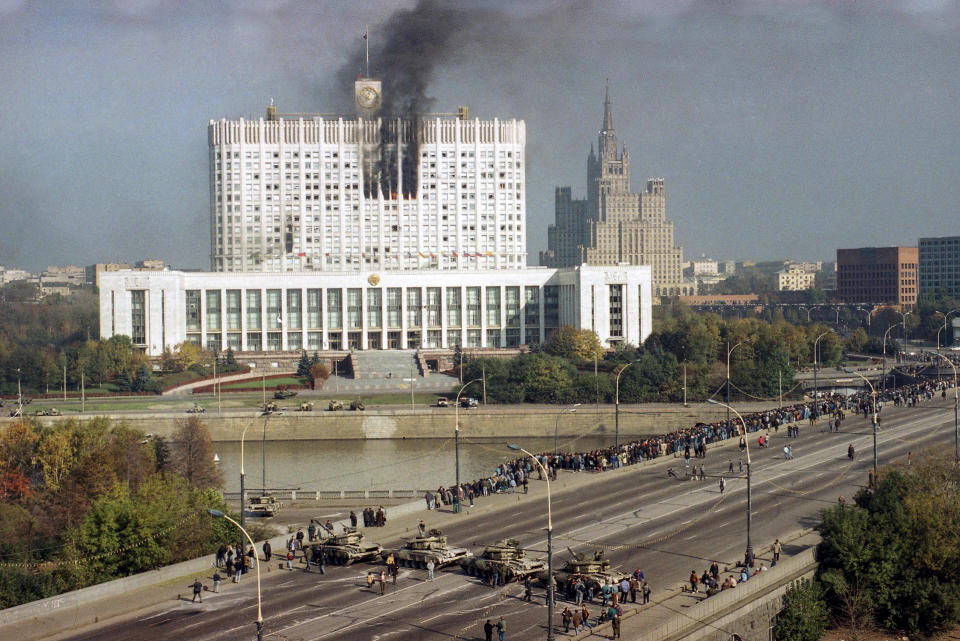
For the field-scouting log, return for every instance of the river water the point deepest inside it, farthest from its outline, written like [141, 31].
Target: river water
[376, 464]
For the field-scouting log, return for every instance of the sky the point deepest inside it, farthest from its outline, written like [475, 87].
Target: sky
[783, 128]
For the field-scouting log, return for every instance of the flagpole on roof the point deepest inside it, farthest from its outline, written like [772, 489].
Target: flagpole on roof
[366, 42]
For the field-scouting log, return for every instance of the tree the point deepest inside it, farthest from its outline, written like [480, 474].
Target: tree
[192, 454]
[542, 378]
[858, 340]
[143, 381]
[318, 374]
[577, 345]
[804, 613]
[230, 358]
[303, 365]
[124, 382]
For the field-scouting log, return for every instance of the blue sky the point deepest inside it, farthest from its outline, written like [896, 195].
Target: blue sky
[782, 128]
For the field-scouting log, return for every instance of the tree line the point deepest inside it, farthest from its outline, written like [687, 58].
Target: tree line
[83, 502]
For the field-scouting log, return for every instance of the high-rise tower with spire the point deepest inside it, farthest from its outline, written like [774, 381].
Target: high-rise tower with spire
[614, 225]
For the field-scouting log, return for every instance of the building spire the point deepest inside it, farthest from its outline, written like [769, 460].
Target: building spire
[607, 111]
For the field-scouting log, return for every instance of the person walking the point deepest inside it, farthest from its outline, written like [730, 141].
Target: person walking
[216, 582]
[422, 528]
[197, 589]
[238, 568]
[645, 590]
[614, 622]
[694, 581]
[577, 620]
[776, 548]
[528, 589]
[353, 519]
[723, 484]
[488, 631]
[430, 567]
[382, 579]
[501, 629]
[585, 617]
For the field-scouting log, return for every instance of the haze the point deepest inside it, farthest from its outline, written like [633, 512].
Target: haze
[783, 129]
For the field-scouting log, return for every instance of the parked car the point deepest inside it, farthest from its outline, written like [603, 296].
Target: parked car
[443, 401]
[468, 402]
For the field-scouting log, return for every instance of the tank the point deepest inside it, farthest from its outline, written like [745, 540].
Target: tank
[592, 569]
[506, 557]
[346, 548]
[305, 406]
[433, 545]
[271, 407]
[334, 406]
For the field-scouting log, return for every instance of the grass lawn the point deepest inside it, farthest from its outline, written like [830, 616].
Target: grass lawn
[257, 382]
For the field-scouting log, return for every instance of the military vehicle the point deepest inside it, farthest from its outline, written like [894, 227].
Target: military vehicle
[263, 505]
[49, 411]
[305, 407]
[271, 407]
[346, 548]
[433, 545]
[196, 409]
[335, 406]
[357, 406]
[283, 392]
[505, 557]
[593, 570]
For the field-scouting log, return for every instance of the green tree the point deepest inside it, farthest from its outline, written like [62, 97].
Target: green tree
[858, 340]
[804, 613]
[124, 382]
[542, 378]
[193, 454]
[577, 345]
[303, 365]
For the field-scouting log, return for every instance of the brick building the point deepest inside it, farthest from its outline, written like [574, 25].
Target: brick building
[887, 275]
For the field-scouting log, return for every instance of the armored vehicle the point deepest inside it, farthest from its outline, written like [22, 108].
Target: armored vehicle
[346, 548]
[593, 570]
[283, 392]
[335, 406]
[263, 506]
[271, 407]
[196, 409]
[357, 406]
[49, 411]
[433, 545]
[305, 407]
[505, 557]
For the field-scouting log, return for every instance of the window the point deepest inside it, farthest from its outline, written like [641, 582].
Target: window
[213, 310]
[413, 307]
[454, 313]
[394, 300]
[531, 306]
[433, 310]
[473, 308]
[512, 303]
[234, 341]
[473, 338]
[294, 340]
[193, 309]
[354, 310]
[374, 309]
[314, 317]
[254, 341]
[493, 308]
[493, 338]
[335, 309]
[233, 310]
[293, 310]
[274, 321]
[253, 312]
[138, 316]
[314, 341]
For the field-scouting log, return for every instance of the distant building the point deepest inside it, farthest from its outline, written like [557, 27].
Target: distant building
[615, 225]
[66, 275]
[11, 275]
[797, 276]
[940, 266]
[93, 272]
[150, 264]
[880, 275]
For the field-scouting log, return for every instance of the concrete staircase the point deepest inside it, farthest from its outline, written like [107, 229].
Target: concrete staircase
[377, 364]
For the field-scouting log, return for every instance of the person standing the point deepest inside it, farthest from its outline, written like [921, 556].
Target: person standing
[382, 579]
[197, 588]
[528, 589]
[776, 548]
[614, 617]
[267, 551]
[634, 586]
[353, 519]
[430, 567]
[312, 531]
[501, 629]
[488, 631]
[577, 620]
[646, 590]
[238, 567]
[216, 582]
[566, 617]
[422, 528]
[299, 543]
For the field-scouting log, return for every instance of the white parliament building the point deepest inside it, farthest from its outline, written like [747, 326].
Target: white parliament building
[367, 233]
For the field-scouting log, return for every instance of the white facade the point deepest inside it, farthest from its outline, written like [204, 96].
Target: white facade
[259, 311]
[304, 193]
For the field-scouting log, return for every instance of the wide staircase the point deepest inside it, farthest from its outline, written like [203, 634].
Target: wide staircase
[377, 364]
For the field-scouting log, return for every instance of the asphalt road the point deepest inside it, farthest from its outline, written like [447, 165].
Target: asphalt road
[638, 515]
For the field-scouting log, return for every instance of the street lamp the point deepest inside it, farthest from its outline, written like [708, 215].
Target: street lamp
[550, 636]
[873, 392]
[806, 309]
[243, 496]
[903, 319]
[748, 555]
[616, 437]
[729, 352]
[816, 405]
[883, 367]
[456, 441]
[217, 514]
[956, 409]
[556, 426]
[869, 317]
[945, 317]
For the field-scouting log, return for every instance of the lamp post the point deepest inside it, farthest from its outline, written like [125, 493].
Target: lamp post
[945, 317]
[883, 366]
[956, 412]
[806, 309]
[217, 514]
[903, 319]
[729, 352]
[748, 555]
[869, 317]
[616, 437]
[556, 426]
[816, 405]
[873, 392]
[243, 495]
[456, 441]
[550, 595]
